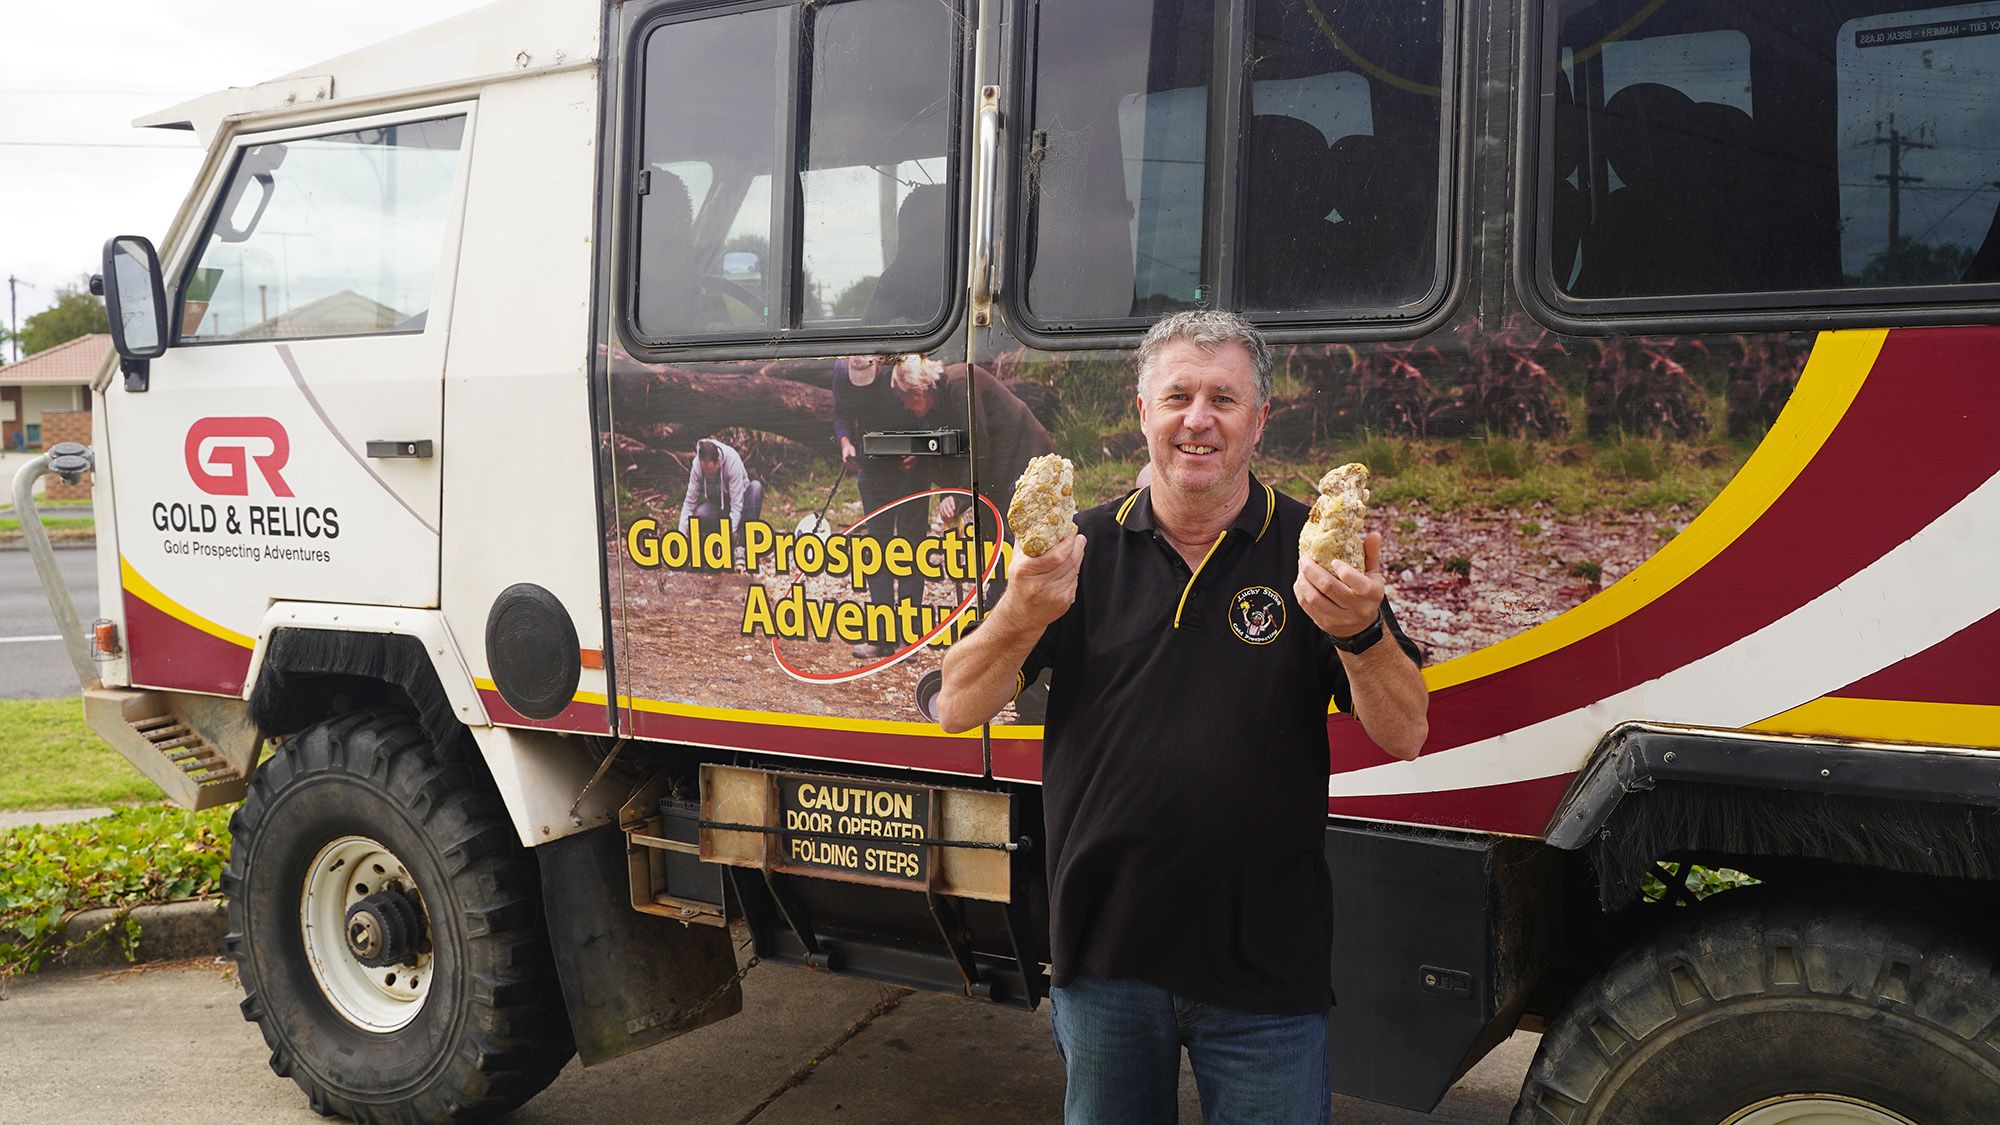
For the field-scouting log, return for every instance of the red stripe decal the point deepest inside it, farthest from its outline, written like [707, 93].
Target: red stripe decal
[582, 718]
[913, 751]
[171, 654]
[1522, 808]
[1958, 669]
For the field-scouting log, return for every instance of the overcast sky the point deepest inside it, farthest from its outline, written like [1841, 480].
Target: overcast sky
[75, 75]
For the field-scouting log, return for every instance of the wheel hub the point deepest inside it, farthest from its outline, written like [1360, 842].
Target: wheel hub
[385, 928]
[361, 913]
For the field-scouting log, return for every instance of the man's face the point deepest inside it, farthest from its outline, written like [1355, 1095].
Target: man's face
[1201, 417]
[918, 402]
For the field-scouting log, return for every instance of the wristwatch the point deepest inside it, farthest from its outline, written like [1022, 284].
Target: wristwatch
[1362, 641]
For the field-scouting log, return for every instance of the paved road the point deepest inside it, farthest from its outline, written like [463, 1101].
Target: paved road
[168, 1046]
[32, 668]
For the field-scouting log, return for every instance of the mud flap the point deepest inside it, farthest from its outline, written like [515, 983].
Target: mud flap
[631, 980]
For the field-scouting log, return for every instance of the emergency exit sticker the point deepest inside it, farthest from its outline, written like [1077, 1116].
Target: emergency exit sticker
[842, 828]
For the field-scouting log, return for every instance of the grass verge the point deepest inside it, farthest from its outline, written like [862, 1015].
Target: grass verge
[135, 856]
[50, 760]
[49, 523]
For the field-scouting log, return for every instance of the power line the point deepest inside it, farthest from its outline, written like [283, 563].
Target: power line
[93, 144]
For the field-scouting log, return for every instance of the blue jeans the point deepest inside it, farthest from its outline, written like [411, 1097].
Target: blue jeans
[1121, 1042]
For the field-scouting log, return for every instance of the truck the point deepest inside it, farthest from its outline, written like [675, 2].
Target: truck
[549, 453]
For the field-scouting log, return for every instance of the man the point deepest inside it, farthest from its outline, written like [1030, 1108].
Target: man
[1192, 656]
[719, 485]
[864, 402]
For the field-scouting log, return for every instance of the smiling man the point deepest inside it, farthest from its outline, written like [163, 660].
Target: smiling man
[1191, 658]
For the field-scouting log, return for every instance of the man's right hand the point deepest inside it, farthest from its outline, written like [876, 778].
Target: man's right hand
[1044, 584]
[848, 456]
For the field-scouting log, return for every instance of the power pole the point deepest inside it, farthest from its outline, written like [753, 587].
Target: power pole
[14, 313]
[1897, 142]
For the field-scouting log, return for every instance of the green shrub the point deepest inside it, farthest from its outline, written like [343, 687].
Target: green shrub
[1634, 459]
[1383, 456]
[148, 854]
[1078, 436]
[1530, 528]
[1589, 570]
[1503, 457]
[1459, 565]
[1688, 883]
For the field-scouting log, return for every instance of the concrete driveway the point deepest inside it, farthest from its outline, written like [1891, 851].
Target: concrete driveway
[168, 1046]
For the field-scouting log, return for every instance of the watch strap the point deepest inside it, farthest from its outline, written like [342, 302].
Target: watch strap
[1364, 640]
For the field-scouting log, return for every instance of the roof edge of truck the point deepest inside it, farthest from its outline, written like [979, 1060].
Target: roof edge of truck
[502, 38]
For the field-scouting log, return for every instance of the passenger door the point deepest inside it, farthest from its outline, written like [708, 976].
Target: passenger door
[287, 446]
[789, 187]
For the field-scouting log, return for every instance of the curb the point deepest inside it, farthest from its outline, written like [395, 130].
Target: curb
[173, 931]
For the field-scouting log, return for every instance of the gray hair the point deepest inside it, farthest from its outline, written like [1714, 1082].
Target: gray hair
[1208, 329]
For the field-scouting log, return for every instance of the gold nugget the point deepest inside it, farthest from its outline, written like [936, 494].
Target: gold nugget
[1043, 511]
[1334, 529]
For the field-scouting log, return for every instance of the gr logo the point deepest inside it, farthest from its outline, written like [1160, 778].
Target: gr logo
[220, 451]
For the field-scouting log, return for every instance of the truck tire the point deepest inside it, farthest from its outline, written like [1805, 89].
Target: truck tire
[387, 927]
[1765, 1010]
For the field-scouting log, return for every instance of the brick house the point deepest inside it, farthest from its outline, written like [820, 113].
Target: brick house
[50, 381]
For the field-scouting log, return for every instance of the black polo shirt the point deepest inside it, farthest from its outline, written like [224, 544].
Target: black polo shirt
[1184, 762]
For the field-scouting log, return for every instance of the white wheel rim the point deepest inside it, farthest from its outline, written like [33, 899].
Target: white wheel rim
[1816, 1109]
[343, 873]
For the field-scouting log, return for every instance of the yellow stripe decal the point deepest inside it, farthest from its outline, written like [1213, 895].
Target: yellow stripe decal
[761, 718]
[1270, 509]
[1127, 505]
[1189, 588]
[1891, 720]
[146, 592]
[1839, 364]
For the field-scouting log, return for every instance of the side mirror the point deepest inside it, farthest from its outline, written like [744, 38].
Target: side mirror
[136, 303]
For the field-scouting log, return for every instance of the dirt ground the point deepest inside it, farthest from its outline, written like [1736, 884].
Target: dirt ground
[1525, 567]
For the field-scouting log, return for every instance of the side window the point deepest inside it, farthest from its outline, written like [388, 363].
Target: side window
[755, 220]
[339, 235]
[1331, 204]
[1821, 146]
[1919, 115]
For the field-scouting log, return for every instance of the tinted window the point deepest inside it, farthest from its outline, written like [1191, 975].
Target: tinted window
[1342, 164]
[753, 223]
[1115, 167]
[338, 235]
[1702, 147]
[1337, 147]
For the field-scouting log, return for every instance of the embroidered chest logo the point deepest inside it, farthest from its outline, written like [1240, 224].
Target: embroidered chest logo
[1257, 614]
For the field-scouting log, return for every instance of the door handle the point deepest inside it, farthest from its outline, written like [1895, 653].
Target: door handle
[983, 199]
[420, 450]
[913, 443]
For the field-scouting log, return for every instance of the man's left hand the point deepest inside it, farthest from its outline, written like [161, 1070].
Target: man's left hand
[1341, 600]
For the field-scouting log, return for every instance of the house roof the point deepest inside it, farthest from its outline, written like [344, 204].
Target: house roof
[69, 364]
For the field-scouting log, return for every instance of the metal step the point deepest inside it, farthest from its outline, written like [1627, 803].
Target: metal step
[197, 749]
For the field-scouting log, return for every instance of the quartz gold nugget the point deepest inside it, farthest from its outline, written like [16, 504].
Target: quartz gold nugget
[1334, 527]
[1043, 511]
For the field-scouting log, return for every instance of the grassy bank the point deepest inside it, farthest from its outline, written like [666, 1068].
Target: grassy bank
[49, 760]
